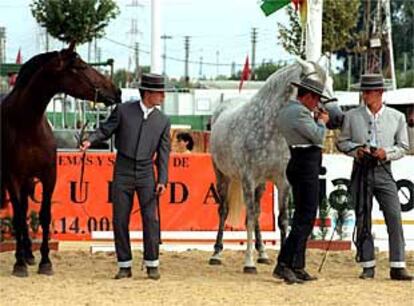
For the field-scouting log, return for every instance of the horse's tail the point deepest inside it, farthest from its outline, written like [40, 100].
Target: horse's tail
[235, 202]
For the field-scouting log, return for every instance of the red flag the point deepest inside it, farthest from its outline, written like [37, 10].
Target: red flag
[19, 57]
[13, 76]
[245, 73]
[296, 3]
[12, 79]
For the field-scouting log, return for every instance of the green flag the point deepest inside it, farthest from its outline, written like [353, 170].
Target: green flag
[270, 6]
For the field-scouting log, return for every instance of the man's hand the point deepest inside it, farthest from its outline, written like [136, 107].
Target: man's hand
[379, 154]
[361, 152]
[85, 145]
[323, 116]
[160, 189]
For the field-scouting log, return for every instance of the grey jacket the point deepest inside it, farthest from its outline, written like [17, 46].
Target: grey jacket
[298, 126]
[391, 136]
[136, 138]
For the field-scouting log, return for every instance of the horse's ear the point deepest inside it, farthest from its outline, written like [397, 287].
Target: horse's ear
[306, 66]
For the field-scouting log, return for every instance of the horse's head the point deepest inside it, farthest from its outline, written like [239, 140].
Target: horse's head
[316, 72]
[80, 80]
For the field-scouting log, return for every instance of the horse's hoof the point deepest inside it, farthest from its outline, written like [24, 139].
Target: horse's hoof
[45, 269]
[20, 271]
[214, 262]
[265, 261]
[250, 270]
[30, 260]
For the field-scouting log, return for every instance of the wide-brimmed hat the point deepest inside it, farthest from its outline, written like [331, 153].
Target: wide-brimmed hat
[312, 86]
[153, 82]
[371, 82]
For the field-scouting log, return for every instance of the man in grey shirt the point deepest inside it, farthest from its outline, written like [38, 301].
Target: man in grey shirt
[141, 132]
[304, 136]
[374, 135]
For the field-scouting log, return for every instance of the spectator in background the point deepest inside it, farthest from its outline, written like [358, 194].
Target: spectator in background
[185, 142]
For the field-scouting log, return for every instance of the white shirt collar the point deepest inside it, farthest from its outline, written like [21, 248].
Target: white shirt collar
[145, 110]
[378, 114]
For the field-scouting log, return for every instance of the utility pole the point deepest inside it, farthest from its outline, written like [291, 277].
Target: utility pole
[99, 53]
[200, 70]
[254, 41]
[46, 41]
[134, 35]
[233, 69]
[155, 36]
[377, 31]
[136, 51]
[217, 62]
[187, 55]
[2, 45]
[164, 56]
[89, 51]
[390, 49]
[349, 72]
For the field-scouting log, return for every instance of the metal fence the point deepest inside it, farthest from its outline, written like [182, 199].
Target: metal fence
[68, 115]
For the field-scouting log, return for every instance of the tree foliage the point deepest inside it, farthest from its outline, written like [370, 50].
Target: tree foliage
[291, 35]
[339, 24]
[266, 69]
[263, 71]
[74, 21]
[338, 27]
[124, 78]
[402, 19]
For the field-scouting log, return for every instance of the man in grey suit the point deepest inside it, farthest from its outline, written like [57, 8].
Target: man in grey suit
[374, 135]
[141, 132]
[304, 134]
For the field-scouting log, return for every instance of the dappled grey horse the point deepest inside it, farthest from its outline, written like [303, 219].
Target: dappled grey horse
[248, 149]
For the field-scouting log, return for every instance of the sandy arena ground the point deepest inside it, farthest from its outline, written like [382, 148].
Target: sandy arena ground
[186, 279]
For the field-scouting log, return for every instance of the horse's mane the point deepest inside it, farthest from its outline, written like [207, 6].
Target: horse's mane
[278, 85]
[31, 66]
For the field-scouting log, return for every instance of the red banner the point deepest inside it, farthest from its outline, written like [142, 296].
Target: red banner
[189, 204]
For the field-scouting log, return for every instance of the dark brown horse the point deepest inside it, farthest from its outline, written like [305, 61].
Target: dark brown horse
[28, 148]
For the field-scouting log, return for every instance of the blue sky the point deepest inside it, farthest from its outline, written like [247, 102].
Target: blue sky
[219, 29]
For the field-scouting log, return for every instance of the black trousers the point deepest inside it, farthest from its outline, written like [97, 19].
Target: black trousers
[132, 177]
[302, 172]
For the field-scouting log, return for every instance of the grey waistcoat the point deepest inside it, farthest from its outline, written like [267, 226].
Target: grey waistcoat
[391, 132]
[137, 138]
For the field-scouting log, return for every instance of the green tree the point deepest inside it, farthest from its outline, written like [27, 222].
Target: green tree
[122, 77]
[291, 35]
[338, 27]
[402, 20]
[74, 21]
[263, 71]
[266, 69]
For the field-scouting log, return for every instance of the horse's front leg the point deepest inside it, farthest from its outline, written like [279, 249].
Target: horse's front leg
[19, 223]
[248, 193]
[45, 216]
[259, 245]
[27, 243]
[283, 219]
